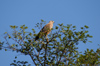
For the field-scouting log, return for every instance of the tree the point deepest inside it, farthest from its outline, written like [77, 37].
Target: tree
[59, 50]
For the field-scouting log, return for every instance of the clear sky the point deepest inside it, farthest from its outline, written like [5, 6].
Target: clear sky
[29, 12]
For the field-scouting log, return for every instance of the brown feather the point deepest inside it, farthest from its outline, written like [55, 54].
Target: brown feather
[45, 30]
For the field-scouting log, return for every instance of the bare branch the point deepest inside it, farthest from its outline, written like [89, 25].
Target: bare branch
[32, 58]
[46, 52]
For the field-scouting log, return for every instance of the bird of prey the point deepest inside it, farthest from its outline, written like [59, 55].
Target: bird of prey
[45, 30]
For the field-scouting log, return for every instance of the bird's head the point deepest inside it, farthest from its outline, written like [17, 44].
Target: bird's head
[51, 21]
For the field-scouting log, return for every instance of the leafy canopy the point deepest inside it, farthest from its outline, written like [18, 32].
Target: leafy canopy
[59, 50]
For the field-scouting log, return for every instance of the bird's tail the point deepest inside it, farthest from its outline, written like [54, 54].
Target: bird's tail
[36, 38]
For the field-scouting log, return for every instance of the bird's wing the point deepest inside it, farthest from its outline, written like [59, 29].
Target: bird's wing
[44, 31]
[46, 28]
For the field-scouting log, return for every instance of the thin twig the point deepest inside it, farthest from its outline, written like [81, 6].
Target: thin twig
[39, 60]
[32, 58]
[17, 42]
[62, 54]
[37, 55]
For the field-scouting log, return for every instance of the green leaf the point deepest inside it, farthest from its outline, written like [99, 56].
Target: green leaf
[20, 37]
[33, 30]
[21, 27]
[56, 27]
[5, 32]
[90, 41]
[23, 51]
[89, 36]
[29, 40]
[86, 32]
[15, 57]
[9, 36]
[14, 60]
[35, 34]
[12, 45]
[60, 24]
[74, 26]
[5, 49]
[13, 27]
[81, 27]
[84, 41]
[26, 27]
[86, 26]
[42, 20]
[30, 34]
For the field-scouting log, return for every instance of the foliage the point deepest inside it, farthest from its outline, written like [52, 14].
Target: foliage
[59, 50]
[19, 63]
[89, 57]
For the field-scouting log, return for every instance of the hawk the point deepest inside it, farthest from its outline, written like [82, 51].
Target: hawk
[45, 30]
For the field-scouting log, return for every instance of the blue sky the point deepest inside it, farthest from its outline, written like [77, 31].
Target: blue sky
[30, 12]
